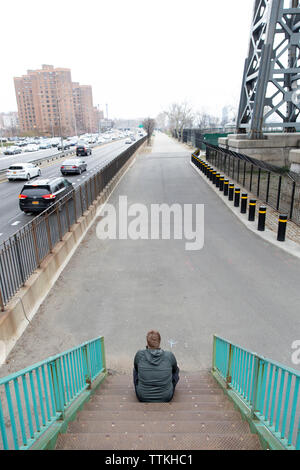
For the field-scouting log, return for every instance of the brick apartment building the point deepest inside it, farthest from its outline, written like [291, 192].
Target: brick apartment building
[49, 103]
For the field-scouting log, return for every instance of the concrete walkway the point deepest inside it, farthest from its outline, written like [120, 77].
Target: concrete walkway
[238, 286]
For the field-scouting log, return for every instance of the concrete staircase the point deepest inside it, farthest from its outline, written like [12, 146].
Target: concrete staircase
[199, 417]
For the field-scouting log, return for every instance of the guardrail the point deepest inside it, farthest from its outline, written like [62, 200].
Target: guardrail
[34, 398]
[269, 390]
[24, 251]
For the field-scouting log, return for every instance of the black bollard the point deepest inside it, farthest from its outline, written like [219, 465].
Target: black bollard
[262, 218]
[218, 180]
[231, 192]
[221, 186]
[237, 194]
[252, 209]
[244, 199]
[282, 225]
[226, 185]
[214, 177]
[211, 173]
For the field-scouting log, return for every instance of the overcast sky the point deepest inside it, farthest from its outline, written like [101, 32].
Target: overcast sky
[138, 55]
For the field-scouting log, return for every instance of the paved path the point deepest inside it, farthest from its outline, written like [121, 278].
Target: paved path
[238, 286]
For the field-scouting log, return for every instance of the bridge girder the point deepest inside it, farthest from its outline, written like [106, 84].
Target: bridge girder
[271, 70]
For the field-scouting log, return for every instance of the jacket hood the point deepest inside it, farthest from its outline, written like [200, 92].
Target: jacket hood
[154, 356]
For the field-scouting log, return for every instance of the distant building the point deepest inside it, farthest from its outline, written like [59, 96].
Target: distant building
[49, 103]
[9, 123]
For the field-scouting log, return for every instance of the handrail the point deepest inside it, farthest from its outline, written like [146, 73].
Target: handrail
[32, 399]
[269, 389]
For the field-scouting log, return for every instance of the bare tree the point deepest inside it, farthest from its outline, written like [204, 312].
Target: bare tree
[149, 126]
[180, 116]
[203, 120]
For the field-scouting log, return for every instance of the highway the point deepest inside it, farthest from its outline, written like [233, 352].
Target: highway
[12, 219]
[7, 160]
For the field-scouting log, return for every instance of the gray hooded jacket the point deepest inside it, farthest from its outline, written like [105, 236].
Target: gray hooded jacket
[155, 368]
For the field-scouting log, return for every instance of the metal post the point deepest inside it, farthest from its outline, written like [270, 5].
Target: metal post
[244, 199]
[48, 233]
[231, 192]
[19, 259]
[262, 218]
[252, 209]
[282, 224]
[279, 193]
[268, 187]
[35, 244]
[255, 385]
[221, 187]
[237, 194]
[1, 301]
[226, 184]
[229, 373]
[58, 223]
[293, 200]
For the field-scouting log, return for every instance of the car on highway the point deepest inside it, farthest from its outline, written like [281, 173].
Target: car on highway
[128, 140]
[45, 145]
[40, 195]
[83, 149]
[66, 145]
[31, 148]
[13, 150]
[73, 166]
[24, 171]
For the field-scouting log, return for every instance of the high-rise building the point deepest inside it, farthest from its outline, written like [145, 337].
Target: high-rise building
[50, 103]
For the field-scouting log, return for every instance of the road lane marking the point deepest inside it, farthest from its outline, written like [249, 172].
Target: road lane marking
[16, 223]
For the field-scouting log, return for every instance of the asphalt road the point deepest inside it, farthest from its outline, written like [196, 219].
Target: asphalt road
[12, 219]
[237, 286]
[7, 160]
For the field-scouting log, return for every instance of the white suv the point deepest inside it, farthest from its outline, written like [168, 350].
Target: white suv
[24, 171]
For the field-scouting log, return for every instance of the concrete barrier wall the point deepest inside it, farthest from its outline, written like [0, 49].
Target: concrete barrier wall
[23, 306]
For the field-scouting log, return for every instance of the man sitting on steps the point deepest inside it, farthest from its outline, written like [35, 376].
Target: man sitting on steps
[155, 372]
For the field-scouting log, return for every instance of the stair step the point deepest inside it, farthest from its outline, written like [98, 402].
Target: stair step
[131, 398]
[210, 427]
[157, 441]
[130, 390]
[159, 406]
[179, 415]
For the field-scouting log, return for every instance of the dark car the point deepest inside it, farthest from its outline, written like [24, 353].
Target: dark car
[83, 150]
[40, 195]
[66, 145]
[73, 166]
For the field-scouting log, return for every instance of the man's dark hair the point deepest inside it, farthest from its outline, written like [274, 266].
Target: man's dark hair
[153, 339]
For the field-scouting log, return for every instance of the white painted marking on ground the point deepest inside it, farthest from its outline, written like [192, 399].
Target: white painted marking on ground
[16, 223]
[1, 234]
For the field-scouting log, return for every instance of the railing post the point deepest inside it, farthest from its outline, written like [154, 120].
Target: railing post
[59, 224]
[88, 371]
[57, 387]
[279, 192]
[1, 301]
[48, 232]
[19, 259]
[103, 354]
[293, 200]
[298, 437]
[229, 368]
[214, 353]
[35, 244]
[255, 385]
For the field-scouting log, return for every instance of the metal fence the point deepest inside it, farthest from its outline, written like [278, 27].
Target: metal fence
[275, 186]
[32, 399]
[270, 390]
[24, 251]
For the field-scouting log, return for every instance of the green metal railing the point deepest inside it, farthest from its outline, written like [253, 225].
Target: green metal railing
[32, 399]
[270, 390]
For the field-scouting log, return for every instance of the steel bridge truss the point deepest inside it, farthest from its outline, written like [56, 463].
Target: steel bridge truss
[270, 95]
